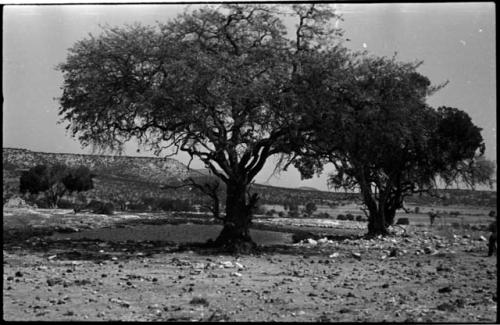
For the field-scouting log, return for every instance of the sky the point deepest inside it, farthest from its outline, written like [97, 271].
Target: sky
[456, 41]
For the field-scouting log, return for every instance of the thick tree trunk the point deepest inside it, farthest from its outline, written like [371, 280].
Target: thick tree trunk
[390, 214]
[376, 217]
[377, 224]
[236, 232]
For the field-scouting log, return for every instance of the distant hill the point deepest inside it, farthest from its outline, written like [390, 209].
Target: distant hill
[138, 179]
[148, 169]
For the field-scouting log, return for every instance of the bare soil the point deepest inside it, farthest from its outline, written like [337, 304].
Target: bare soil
[422, 275]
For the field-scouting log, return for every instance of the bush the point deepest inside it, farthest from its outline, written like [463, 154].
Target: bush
[492, 213]
[259, 210]
[417, 209]
[341, 217]
[293, 213]
[359, 218]
[101, 207]
[65, 204]
[324, 215]
[281, 214]
[310, 208]
[349, 216]
[403, 221]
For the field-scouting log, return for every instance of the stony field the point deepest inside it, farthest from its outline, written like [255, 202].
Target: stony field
[421, 274]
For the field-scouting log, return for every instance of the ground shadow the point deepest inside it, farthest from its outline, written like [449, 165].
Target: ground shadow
[38, 240]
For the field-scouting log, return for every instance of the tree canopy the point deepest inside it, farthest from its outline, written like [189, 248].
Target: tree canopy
[222, 83]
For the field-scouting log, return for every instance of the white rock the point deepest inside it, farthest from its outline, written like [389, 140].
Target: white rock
[323, 240]
[312, 241]
[227, 264]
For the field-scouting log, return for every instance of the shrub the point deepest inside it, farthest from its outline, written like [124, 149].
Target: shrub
[324, 215]
[417, 209]
[492, 213]
[341, 217]
[260, 210]
[293, 213]
[403, 221]
[101, 207]
[359, 218]
[349, 216]
[310, 208]
[65, 204]
[281, 214]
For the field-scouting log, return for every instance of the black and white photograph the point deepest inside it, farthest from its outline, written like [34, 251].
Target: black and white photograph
[249, 162]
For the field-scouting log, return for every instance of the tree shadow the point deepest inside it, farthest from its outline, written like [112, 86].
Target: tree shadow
[38, 241]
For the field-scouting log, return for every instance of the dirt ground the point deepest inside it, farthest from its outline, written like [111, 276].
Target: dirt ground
[419, 276]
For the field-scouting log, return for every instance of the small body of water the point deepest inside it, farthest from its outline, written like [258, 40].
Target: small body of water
[184, 233]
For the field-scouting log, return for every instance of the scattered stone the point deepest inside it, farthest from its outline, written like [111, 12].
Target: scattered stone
[227, 264]
[199, 265]
[446, 307]
[53, 281]
[120, 302]
[428, 250]
[445, 290]
[312, 241]
[356, 255]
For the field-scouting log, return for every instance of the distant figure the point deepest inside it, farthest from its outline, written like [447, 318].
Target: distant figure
[492, 242]
[432, 217]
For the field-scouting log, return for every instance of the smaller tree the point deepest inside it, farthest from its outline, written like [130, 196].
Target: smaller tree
[78, 180]
[310, 208]
[55, 181]
[205, 185]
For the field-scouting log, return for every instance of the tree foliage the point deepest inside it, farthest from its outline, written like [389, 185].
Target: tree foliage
[222, 83]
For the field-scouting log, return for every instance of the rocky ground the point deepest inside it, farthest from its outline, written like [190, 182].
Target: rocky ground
[421, 275]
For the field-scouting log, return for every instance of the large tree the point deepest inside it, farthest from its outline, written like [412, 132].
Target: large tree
[385, 141]
[220, 83]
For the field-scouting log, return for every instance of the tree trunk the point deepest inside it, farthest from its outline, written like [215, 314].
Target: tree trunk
[236, 232]
[377, 223]
[376, 218]
[390, 214]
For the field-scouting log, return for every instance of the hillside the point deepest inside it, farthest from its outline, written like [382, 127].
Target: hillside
[123, 179]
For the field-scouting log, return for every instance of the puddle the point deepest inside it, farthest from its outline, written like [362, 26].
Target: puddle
[184, 233]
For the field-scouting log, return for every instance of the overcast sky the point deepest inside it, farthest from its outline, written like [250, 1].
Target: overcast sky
[456, 41]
